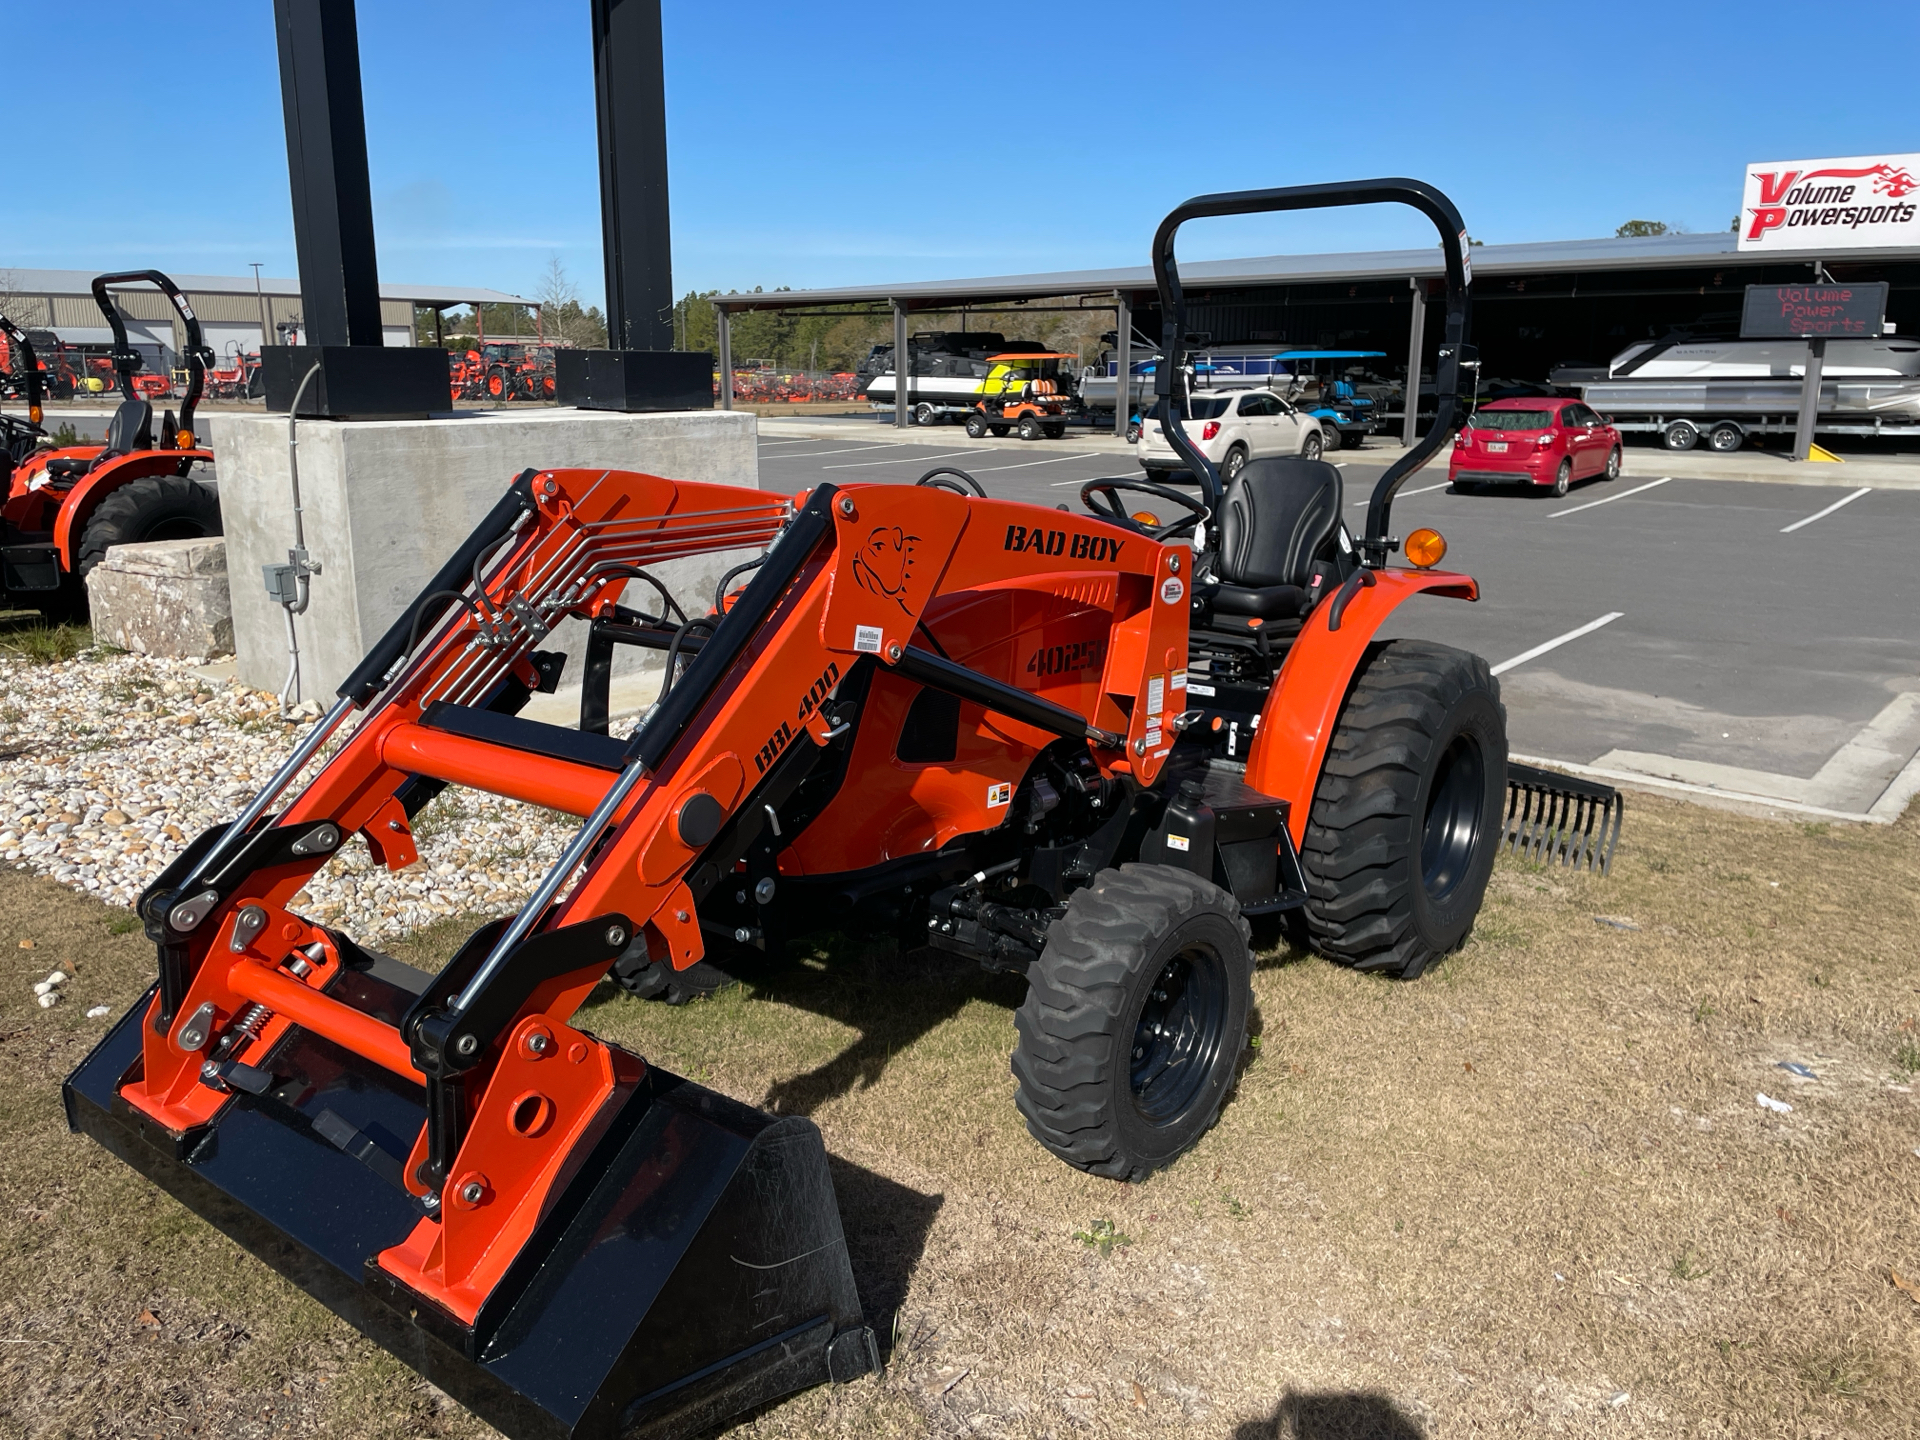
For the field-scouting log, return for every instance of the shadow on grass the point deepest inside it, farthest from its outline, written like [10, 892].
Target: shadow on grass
[1333, 1415]
[891, 998]
[886, 1224]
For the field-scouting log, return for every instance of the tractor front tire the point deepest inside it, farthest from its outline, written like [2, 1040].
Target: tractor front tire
[658, 980]
[1134, 1021]
[1408, 813]
[158, 507]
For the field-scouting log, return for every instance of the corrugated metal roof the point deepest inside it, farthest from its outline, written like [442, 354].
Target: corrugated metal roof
[80, 282]
[1655, 252]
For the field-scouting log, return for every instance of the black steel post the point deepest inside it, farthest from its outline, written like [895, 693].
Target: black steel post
[629, 84]
[640, 370]
[333, 235]
[327, 163]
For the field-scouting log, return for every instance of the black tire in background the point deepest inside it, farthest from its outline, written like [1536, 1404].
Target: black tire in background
[1613, 464]
[999, 431]
[1680, 435]
[1231, 467]
[1330, 438]
[1563, 478]
[1726, 437]
[1134, 1021]
[1408, 811]
[159, 507]
[1311, 447]
[1029, 428]
[976, 426]
[1054, 429]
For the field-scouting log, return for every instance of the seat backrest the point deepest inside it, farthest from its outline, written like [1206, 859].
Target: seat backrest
[1276, 515]
[130, 429]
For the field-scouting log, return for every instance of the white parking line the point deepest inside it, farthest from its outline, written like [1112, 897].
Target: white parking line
[1424, 489]
[854, 450]
[1053, 460]
[1554, 644]
[1863, 490]
[810, 440]
[1651, 484]
[896, 460]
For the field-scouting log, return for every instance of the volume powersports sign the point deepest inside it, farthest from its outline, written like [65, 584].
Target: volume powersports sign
[1821, 311]
[1856, 202]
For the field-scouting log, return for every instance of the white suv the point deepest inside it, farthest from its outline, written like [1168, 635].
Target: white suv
[1231, 427]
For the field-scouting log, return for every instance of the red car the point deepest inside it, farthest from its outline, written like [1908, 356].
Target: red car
[1544, 442]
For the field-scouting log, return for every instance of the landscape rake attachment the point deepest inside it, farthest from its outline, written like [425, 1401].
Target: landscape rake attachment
[1561, 819]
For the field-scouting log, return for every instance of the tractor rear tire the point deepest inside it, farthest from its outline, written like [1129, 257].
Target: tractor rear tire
[1409, 810]
[159, 507]
[1134, 1021]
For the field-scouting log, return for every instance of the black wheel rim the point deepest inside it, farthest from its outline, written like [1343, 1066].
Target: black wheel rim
[1455, 811]
[1177, 1039]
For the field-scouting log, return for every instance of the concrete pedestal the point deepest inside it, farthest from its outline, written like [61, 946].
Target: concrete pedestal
[386, 502]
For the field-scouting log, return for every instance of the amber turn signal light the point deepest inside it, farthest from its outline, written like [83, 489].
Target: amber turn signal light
[35, 414]
[183, 440]
[1425, 548]
[1145, 517]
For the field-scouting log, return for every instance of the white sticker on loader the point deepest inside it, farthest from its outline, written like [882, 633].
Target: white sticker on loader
[1156, 694]
[1198, 689]
[866, 639]
[1180, 843]
[1171, 590]
[998, 795]
[1179, 679]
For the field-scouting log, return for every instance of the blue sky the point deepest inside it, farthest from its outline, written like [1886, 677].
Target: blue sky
[861, 144]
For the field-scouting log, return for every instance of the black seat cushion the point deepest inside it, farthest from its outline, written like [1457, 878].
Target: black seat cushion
[1276, 515]
[130, 429]
[1265, 602]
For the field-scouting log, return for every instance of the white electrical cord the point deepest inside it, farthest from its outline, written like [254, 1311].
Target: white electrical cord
[297, 561]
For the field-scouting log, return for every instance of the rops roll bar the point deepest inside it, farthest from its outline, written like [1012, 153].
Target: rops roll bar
[126, 360]
[22, 360]
[1169, 384]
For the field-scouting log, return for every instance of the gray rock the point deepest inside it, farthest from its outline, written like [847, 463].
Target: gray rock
[166, 598]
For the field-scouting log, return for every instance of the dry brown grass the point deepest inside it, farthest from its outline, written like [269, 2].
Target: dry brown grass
[1491, 1202]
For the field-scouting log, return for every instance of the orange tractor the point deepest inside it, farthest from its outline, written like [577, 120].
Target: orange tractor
[65, 507]
[977, 723]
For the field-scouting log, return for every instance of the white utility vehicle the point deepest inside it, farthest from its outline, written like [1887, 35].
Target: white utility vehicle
[1231, 427]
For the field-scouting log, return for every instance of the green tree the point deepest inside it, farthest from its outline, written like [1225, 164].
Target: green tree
[1640, 229]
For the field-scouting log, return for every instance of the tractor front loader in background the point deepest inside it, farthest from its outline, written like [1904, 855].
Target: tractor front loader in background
[976, 723]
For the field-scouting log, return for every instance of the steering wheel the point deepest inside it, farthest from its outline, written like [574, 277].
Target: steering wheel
[1113, 510]
[941, 477]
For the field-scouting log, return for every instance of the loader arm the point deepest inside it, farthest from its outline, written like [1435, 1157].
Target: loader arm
[512, 1090]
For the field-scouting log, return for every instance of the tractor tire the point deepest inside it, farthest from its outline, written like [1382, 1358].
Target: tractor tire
[1030, 428]
[160, 507]
[1409, 809]
[658, 980]
[976, 427]
[1134, 1021]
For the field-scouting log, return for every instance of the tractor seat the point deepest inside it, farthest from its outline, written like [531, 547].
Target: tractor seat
[130, 429]
[1274, 519]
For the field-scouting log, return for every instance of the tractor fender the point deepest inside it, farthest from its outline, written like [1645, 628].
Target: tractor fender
[97, 484]
[1296, 724]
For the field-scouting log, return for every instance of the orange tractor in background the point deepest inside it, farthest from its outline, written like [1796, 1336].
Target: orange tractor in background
[65, 507]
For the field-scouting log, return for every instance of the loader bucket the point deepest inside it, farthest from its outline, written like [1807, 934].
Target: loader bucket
[692, 1266]
[1561, 819]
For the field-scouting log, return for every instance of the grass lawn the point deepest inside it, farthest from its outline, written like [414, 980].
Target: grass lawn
[1531, 1192]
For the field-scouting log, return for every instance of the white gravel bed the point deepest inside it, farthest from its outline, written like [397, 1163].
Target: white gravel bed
[110, 764]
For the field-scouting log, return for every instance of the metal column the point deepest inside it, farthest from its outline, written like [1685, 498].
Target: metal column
[723, 335]
[327, 163]
[1415, 344]
[1809, 398]
[630, 93]
[1123, 368]
[902, 367]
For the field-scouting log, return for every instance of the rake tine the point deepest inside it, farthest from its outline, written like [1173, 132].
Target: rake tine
[1561, 819]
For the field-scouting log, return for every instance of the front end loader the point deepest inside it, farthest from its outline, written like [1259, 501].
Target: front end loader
[1086, 747]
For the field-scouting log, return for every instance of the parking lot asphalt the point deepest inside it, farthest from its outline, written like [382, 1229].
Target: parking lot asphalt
[1747, 641]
